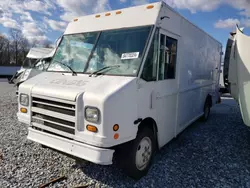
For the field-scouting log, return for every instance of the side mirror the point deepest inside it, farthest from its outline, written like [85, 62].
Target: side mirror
[40, 63]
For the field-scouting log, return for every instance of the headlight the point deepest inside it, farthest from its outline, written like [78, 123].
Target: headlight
[24, 99]
[92, 114]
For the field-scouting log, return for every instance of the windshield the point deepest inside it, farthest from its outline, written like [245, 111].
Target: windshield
[90, 52]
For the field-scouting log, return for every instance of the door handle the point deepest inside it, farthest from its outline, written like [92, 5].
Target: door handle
[151, 100]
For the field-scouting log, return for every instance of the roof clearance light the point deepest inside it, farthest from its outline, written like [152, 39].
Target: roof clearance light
[76, 19]
[150, 6]
[108, 14]
[98, 16]
[118, 12]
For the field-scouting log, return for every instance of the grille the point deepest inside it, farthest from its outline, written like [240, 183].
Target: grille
[53, 116]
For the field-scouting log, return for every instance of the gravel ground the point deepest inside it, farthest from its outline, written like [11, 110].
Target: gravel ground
[211, 154]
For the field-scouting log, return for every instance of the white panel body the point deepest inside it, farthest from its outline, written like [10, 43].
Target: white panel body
[239, 74]
[172, 104]
[200, 63]
[198, 70]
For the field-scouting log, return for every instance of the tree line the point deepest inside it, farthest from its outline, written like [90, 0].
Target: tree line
[14, 49]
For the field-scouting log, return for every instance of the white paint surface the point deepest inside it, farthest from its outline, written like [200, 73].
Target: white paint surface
[172, 103]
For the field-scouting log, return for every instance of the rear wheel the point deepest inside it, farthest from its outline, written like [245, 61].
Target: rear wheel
[136, 157]
[43, 146]
[207, 108]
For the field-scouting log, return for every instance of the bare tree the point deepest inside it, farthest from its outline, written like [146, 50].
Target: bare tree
[3, 42]
[18, 41]
[24, 47]
[4, 50]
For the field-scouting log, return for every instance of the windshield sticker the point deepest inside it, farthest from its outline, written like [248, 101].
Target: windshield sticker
[132, 55]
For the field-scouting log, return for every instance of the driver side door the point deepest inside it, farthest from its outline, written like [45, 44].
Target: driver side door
[167, 87]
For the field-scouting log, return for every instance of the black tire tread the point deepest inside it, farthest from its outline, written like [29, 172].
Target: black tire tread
[127, 156]
[207, 104]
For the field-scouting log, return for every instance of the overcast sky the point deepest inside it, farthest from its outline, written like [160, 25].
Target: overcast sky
[47, 19]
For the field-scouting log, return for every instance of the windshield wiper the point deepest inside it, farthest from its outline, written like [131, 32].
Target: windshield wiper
[104, 68]
[73, 72]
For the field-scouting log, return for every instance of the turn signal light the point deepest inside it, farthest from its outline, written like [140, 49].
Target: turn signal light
[118, 12]
[108, 14]
[76, 19]
[150, 6]
[92, 128]
[98, 16]
[116, 127]
[24, 110]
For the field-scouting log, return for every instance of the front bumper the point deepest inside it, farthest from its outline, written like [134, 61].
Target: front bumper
[90, 153]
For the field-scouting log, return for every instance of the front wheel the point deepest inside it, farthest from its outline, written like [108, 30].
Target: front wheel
[137, 155]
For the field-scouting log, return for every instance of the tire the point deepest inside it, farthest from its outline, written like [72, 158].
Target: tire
[136, 157]
[207, 109]
[43, 146]
[10, 81]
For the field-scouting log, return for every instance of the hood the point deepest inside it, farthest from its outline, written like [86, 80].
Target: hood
[39, 53]
[68, 87]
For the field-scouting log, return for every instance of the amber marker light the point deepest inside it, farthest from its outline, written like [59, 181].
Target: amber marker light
[76, 19]
[116, 127]
[150, 6]
[108, 14]
[118, 12]
[24, 110]
[92, 128]
[98, 16]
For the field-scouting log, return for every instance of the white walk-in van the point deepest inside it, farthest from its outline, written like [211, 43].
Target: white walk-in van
[121, 85]
[237, 71]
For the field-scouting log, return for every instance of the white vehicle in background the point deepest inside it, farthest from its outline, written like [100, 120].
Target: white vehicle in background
[37, 60]
[223, 88]
[34, 55]
[237, 71]
[124, 87]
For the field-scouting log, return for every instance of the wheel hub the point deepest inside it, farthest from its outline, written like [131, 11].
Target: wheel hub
[143, 153]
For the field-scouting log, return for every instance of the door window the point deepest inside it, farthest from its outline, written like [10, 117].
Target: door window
[149, 72]
[168, 57]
